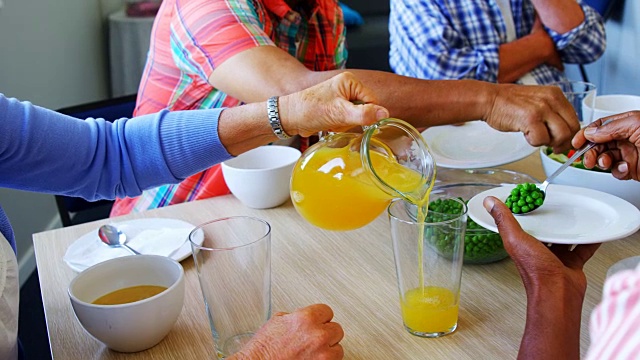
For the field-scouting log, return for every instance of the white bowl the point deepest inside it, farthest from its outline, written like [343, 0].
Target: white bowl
[133, 326]
[625, 189]
[260, 177]
[607, 105]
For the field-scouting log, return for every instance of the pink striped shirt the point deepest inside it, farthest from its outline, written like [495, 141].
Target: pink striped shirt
[615, 322]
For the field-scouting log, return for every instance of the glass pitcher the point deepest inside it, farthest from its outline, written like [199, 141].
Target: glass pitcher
[346, 180]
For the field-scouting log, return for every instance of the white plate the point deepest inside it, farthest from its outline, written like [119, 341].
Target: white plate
[134, 227]
[569, 215]
[475, 145]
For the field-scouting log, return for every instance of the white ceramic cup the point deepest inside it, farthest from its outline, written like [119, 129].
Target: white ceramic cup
[133, 326]
[260, 178]
[607, 105]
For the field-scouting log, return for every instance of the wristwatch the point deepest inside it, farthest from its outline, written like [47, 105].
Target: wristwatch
[274, 118]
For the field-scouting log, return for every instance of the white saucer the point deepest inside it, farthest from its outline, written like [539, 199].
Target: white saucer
[569, 215]
[475, 145]
[91, 239]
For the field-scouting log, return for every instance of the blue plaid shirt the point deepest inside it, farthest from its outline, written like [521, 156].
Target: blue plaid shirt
[459, 39]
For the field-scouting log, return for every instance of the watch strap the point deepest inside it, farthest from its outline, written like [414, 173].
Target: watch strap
[274, 118]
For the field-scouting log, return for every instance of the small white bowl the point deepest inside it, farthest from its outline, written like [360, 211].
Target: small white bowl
[607, 105]
[625, 189]
[133, 326]
[260, 178]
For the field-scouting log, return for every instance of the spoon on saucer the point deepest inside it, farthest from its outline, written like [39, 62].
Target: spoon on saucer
[543, 187]
[113, 237]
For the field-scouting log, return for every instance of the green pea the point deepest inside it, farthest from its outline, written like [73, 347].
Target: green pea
[524, 198]
[477, 246]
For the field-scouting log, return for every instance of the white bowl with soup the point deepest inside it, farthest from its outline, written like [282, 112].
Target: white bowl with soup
[129, 303]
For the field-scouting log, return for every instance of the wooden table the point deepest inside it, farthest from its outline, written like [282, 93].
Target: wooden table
[351, 271]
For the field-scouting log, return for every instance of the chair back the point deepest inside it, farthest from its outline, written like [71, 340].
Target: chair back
[75, 210]
[603, 7]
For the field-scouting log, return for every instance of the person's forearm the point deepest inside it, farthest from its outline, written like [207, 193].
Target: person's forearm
[429, 102]
[552, 328]
[243, 128]
[559, 15]
[523, 55]
[420, 102]
[271, 71]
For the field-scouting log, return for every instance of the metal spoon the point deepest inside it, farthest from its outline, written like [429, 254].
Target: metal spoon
[113, 237]
[543, 187]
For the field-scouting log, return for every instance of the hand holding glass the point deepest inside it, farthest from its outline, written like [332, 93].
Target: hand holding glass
[234, 269]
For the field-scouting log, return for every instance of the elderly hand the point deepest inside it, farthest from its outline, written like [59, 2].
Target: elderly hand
[329, 106]
[619, 148]
[542, 113]
[555, 285]
[306, 333]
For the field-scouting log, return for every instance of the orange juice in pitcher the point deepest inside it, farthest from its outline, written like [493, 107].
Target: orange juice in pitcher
[347, 180]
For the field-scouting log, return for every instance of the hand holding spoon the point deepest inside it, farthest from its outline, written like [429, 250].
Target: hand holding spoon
[543, 187]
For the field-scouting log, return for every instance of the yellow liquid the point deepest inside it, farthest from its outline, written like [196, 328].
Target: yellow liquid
[333, 191]
[430, 309]
[129, 295]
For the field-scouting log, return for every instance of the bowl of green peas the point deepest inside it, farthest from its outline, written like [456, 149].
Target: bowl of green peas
[482, 246]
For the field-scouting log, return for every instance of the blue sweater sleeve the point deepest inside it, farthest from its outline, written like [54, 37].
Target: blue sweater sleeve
[45, 151]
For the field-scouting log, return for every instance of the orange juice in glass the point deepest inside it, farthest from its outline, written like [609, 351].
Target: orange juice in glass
[428, 281]
[430, 310]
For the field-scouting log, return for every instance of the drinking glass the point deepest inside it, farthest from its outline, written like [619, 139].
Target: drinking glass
[233, 260]
[582, 95]
[629, 263]
[428, 257]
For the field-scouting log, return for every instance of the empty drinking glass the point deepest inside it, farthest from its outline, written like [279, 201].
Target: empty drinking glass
[582, 95]
[233, 260]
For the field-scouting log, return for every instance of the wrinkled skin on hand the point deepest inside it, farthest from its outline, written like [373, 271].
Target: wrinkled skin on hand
[541, 113]
[619, 145]
[330, 105]
[307, 333]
